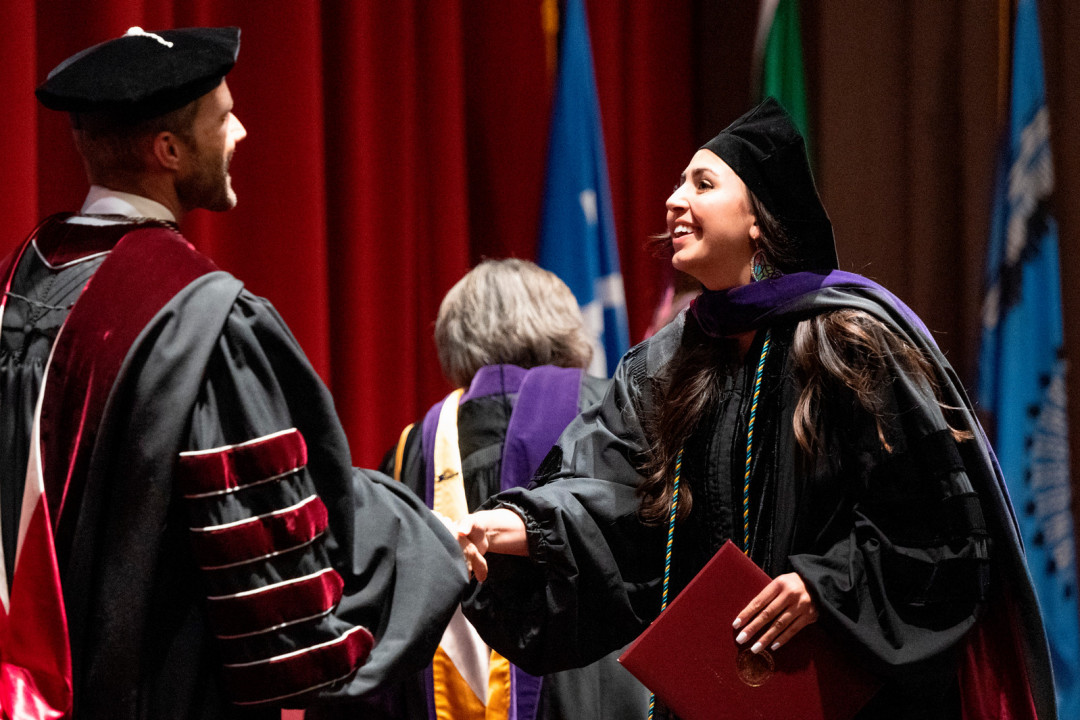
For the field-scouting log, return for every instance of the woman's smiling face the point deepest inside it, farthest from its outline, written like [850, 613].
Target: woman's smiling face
[713, 229]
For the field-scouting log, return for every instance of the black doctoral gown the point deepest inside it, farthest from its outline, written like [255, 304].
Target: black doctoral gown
[179, 562]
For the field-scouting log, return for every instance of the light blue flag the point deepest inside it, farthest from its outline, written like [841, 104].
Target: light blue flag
[577, 232]
[1022, 365]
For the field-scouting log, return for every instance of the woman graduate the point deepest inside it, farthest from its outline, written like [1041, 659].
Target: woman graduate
[807, 415]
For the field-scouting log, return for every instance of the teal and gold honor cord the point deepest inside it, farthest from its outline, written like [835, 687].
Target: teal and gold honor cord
[746, 490]
[667, 552]
[750, 444]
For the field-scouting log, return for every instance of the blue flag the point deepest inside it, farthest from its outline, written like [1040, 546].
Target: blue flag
[577, 232]
[1022, 363]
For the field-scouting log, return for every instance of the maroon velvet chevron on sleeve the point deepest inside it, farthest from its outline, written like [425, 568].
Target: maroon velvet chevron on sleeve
[264, 606]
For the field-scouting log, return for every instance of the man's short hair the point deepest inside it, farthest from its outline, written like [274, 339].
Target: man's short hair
[113, 145]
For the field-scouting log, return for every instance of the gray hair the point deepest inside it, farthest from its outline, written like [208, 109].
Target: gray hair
[509, 311]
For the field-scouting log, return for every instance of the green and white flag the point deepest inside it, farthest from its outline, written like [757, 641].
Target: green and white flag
[778, 61]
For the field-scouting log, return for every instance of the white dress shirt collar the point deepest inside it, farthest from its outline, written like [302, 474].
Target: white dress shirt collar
[103, 201]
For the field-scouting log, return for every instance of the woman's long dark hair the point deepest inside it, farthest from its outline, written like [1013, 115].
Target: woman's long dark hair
[687, 391]
[832, 351]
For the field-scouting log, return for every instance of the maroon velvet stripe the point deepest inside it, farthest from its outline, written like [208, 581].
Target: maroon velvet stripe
[257, 610]
[260, 536]
[64, 242]
[11, 262]
[233, 467]
[59, 243]
[301, 671]
[150, 263]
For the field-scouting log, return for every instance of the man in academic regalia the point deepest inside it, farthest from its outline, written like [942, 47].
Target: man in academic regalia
[182, 533]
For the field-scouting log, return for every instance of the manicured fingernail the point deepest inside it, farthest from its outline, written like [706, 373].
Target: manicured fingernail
[775, 646]
[741, 638]
[755, 648]
[735, 625]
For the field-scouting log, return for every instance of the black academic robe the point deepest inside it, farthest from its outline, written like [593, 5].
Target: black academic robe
[181, 550]
[892, 544]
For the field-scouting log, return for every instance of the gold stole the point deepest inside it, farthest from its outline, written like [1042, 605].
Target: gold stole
[471, 681]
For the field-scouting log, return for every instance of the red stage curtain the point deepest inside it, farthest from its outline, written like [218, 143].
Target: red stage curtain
[391, 145]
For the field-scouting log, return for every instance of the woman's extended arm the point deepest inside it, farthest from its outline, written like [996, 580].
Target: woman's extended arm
[499, 530]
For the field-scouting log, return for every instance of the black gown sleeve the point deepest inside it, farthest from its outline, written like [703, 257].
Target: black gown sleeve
[591, 581]
[897, 555]
[265, 424]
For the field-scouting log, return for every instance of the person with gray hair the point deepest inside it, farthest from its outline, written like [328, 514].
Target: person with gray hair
[509, 312]
[512, 337]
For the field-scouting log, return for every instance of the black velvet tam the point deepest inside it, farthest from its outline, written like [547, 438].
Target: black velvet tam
[142, 75]
[766, 151]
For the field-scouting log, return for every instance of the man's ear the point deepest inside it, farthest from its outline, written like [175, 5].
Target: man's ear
[167, 150]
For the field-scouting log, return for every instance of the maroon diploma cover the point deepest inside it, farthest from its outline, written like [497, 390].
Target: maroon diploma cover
[689, 658]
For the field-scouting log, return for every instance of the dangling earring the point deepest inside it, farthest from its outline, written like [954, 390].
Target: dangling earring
[761, 268]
